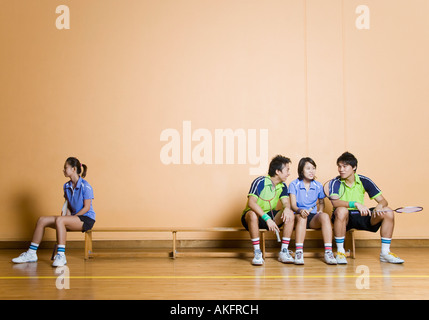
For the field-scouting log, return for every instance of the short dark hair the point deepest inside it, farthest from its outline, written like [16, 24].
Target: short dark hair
[348, 158]
[301, 166]
[277, 163]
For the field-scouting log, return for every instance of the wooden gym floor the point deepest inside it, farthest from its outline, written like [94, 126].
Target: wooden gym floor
[214, 278]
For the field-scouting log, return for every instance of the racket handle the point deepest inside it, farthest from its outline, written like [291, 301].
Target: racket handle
[278, 236]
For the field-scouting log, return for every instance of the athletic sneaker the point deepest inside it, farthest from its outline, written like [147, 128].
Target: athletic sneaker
[25, 257]
[341, 258]
[390, 257]
[257, 259]
[299, 257]
[285, 256]
[329, 257]
[60, 260]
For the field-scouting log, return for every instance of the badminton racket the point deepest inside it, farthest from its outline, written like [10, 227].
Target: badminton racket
[309, 210]
[334, 190]
[65, 210]
[407, 209]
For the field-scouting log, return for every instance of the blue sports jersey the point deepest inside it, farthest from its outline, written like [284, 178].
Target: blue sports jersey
[306, 199]
[75, 197]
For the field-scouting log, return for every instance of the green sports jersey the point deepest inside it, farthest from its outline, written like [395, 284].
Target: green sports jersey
[356, 192]
[262, 188]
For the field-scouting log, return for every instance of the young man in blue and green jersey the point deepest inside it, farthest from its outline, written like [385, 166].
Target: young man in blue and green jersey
[350, 211]
[260, 212]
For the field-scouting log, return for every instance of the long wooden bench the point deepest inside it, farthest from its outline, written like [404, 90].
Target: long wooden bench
[89, 252]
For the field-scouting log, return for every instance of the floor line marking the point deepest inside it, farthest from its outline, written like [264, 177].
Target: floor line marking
[212, 277]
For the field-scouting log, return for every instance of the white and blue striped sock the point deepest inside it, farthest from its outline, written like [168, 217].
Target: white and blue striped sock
[385, 245]
[61, 249]
[33, 247]
[339, 241]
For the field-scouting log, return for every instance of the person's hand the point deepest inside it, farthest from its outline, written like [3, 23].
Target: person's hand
[287, 215]
[304, 213]
[364, 211]
[272, 226]
[379, 210]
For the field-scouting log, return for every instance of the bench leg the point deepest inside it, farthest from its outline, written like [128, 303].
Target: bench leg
[350, 243]
[353, 244]
[88, 244]
[262, 237]
[174, 244]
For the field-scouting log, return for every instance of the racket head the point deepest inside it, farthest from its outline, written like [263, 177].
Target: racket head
[409, 209]
[334, 189]
[267, 194]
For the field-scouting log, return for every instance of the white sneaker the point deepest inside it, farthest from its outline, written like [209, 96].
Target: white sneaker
[25, 257]
[285, 256]
[329, 257]
[341, 258]
[60, 260]
[299, 257]
[390, 257]
[257, 259]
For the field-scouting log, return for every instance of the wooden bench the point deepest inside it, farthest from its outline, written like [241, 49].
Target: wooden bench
[89, 252]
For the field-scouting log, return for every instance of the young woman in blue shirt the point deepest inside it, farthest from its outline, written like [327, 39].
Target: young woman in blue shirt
[307, 201]
[80, 214]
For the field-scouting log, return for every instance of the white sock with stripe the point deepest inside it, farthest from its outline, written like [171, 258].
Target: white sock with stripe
[33, 247]
[255, 243]
[385, 245]
[61, 249]
[328, 247]
[339, 241]
[285, 243]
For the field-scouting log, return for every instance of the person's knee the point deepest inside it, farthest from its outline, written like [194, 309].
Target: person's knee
[299, 219]
[59, 221]
[43, 221]
[341, 214]
[324, 217]
[388, 216]
[251, 217]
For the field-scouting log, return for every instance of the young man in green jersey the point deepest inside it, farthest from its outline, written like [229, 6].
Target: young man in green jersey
[261, 213]
[350, 211]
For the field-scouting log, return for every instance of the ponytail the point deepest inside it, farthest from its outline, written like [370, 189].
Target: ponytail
[85, 168]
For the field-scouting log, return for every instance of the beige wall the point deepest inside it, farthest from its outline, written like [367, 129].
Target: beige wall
[125, 71]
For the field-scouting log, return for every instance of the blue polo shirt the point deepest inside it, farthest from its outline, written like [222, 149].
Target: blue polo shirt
[307, 199]
[75, 197]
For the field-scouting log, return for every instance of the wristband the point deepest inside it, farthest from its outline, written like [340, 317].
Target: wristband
[266, 217]
[352, 204]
